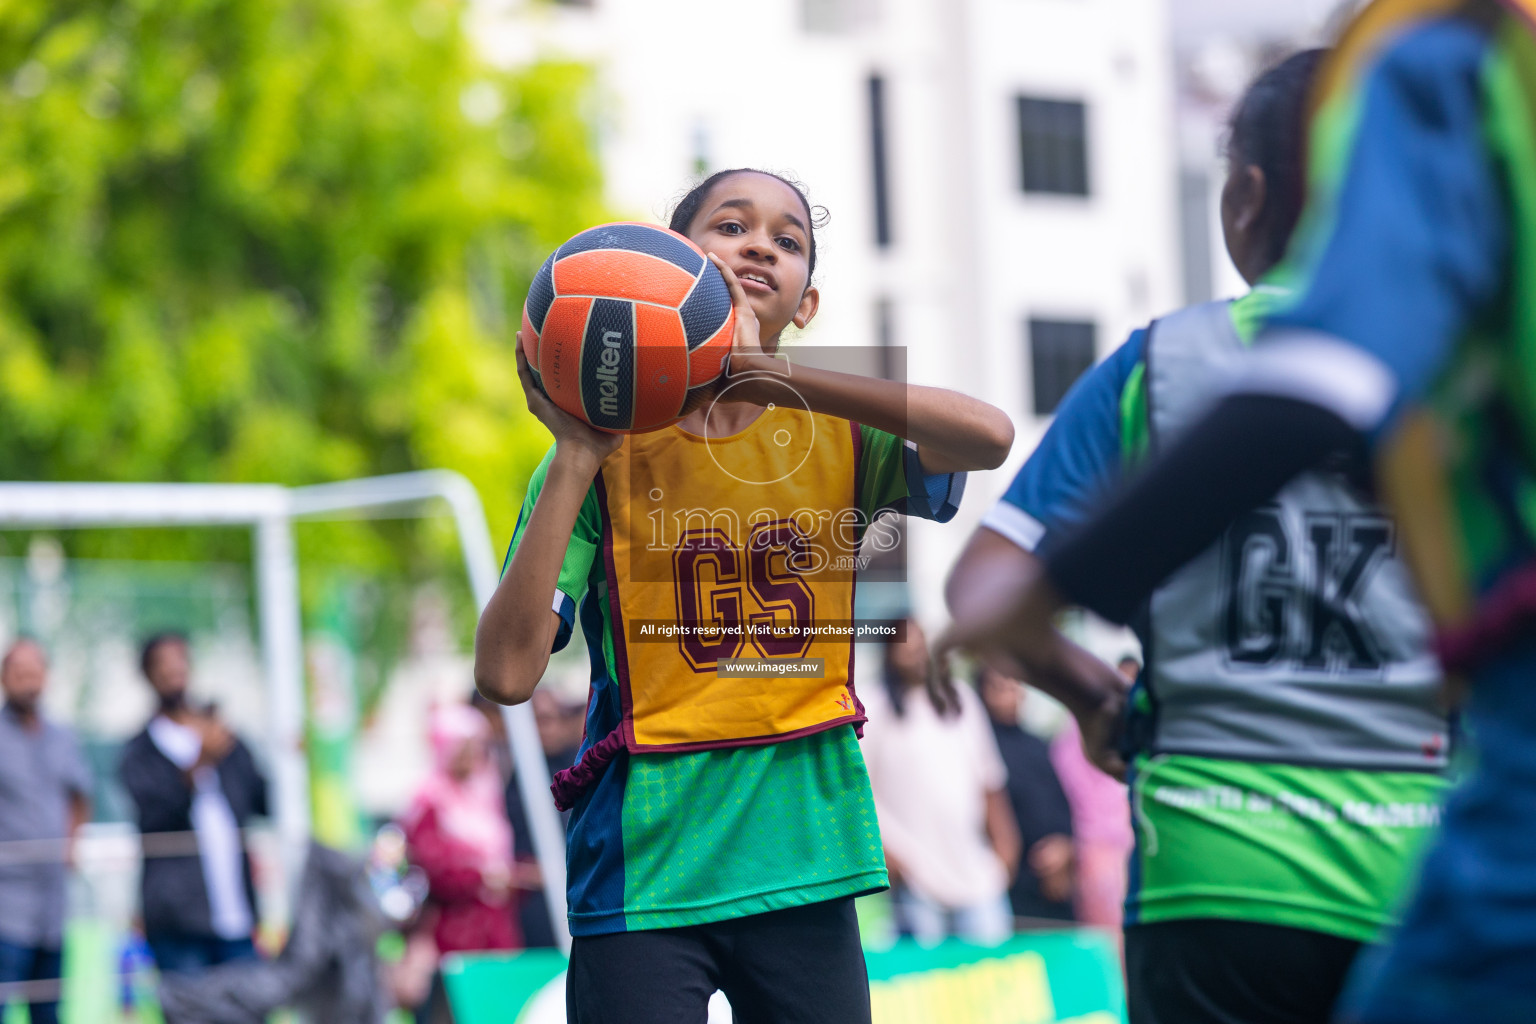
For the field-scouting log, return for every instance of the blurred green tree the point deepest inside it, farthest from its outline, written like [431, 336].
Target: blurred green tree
[273, 240]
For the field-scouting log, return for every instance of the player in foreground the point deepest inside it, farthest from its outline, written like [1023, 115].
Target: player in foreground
[721, 826]
[1287, 740]
[1412, 340]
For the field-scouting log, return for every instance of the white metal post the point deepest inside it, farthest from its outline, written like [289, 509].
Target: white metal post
[277, 589]
[270, 510]
[403, 490]
[522, 730]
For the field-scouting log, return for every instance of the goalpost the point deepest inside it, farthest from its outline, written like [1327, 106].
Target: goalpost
[270, 511]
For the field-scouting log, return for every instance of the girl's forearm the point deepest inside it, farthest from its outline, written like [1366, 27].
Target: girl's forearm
[954, 433]
[989, 581]
[517, 628]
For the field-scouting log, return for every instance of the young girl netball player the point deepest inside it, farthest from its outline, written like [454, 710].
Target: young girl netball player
[721, 825]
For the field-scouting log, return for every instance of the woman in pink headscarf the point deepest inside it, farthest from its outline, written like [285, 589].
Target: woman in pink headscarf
[457, 832]
[1101, 823]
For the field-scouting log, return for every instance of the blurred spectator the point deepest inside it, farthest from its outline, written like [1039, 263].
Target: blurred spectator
[456, 831]
[951, 842]
[1101, 824]
[194, 786]
[43, 802]
[1044, 885]
[561, 726]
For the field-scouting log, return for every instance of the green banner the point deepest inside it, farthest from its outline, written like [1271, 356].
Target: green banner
[331, 725]
[1065, 977]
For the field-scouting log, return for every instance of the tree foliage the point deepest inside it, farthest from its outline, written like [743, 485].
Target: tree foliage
[273, 240]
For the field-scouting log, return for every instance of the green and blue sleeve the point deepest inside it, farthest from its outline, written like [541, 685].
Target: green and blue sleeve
[580, 552]
[891, 479]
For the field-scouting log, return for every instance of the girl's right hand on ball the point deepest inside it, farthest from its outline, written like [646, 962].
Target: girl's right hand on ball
[572, 435]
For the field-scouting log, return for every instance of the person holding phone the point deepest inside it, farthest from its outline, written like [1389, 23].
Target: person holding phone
[195, 787]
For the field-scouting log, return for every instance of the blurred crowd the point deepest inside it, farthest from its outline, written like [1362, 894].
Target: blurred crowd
[988, 827]
[195, 787]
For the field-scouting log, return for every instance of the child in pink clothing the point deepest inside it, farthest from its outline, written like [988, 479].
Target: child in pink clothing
[1101, 825]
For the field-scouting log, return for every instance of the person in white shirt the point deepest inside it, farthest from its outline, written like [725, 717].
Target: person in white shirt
[951, 841]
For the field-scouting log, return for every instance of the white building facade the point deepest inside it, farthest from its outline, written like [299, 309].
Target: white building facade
[1000, 174]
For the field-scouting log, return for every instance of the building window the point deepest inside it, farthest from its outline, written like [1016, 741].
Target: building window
[1053, 146]
[1060, 351]
[877, 159]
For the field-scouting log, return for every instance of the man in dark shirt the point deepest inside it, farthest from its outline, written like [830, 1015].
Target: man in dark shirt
[1042, 889]
[195, 787]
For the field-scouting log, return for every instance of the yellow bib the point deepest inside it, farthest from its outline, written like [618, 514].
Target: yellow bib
[733, 548]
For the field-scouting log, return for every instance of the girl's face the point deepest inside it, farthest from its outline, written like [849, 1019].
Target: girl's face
[757, 225]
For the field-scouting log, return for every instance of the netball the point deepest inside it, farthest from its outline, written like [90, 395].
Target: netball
[626, 325]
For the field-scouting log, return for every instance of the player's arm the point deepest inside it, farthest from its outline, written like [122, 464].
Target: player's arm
[518, 627]
[987, 565]
[1077, 460]
[954, 433]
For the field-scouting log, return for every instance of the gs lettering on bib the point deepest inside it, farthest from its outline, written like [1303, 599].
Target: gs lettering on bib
[724, 550]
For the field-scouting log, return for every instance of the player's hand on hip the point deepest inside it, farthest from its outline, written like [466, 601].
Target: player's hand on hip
[572, 436]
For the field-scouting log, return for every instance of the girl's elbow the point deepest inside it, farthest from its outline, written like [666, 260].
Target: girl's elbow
[503, 687]
[1005, 436]
[997, 441]
[503, 691]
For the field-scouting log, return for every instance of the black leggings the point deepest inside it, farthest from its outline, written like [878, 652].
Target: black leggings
[1209, 971]
[798, 966]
